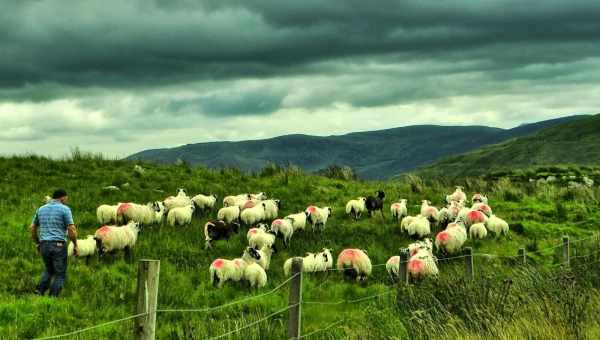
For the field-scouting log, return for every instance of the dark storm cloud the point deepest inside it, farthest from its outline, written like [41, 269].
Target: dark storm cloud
[145, 43]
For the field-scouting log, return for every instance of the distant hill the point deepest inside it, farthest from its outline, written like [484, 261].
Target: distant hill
[576, 141]
[373, 155]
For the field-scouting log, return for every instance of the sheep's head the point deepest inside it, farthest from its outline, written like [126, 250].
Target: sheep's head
[215, 196]
[326, 253]
[404, 200]
[253, 253]
[181, 192]
[381, 194]
[278, 203]
[329, 211]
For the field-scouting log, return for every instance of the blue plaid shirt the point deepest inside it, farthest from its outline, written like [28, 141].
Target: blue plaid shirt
[52, 220]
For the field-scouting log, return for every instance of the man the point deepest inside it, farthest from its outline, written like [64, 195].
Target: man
[49, 229]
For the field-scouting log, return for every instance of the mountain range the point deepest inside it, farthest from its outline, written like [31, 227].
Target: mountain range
[373, 155]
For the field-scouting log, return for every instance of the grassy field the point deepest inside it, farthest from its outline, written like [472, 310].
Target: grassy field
[507, 300]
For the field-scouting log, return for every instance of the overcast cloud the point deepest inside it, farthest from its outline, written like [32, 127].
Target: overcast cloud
[121, 76]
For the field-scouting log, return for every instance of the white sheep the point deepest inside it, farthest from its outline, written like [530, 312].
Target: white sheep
[86, 247]
[255, 275]
[355, 263]
[478, 231]
[253, 215]
[143, 214]
[356, 207]
[312, 262]
[180, 215]
[497, 225]
[318, 216]
[283, 226]
[414, 247]
[229, 214]
[113, 238]
[222, 270]
[419, 226]
[474, 216]
[422, 264]
[179, 201]
[205, 202]
[259, 237]
[393, 267]
[451, 239]
[271, 209]
[406, 222]
[428, 211]
[107, 213]
[399, 210]
[457, 196]
[264, 258]
[484, 208]
[231, 201]
[298, 220]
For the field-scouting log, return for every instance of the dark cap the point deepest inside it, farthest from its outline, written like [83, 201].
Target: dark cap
[59, 193]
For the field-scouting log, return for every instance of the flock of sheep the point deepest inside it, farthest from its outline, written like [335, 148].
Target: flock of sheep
[457, 222]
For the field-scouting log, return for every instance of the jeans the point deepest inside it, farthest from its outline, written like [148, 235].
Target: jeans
[54, 255]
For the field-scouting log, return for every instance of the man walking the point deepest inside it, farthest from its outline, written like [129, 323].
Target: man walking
[49, 229]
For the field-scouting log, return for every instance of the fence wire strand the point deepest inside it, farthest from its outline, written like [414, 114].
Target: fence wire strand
[321, 330]
[92, 327]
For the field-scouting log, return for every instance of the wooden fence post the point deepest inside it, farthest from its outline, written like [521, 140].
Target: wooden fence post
[565, 241]
[403, 268]
[295, 297]
[147, 296]
[522, 255]
[469, 263]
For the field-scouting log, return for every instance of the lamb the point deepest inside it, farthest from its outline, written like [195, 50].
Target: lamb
[419, 227]
[474, 216]
[229, 214]
[318, 216]
[284, 227]
[421, 265]
[497, 225]
[375, 203]
[107, 214]
[85, 248]
[253, 215]
[399, 210]
[478, 231]
[479, 198]
[355, 264]
[271, 209]
[298, 220]
[222, 270]
[356, 207]
[259, 238]
[180, 215]
[255, 275]
[451, 240]
[457, 196]
[312, 263]
[430, 212]
[204, 202]
[218, 230]
[111, 238]
[484, 208]
[143, 214]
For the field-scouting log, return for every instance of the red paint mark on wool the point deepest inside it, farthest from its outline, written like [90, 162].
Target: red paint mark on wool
[311, 209]
[396, 205]
[103, 230]
[415, 266]
[249, 204]
[431, 210]
[348, 254]
[278, 222]
[476, 216]
[253, 231]
[443, 236]
[123, 208]
[218, 263]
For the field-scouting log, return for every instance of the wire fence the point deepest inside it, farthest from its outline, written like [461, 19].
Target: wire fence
[319, 303]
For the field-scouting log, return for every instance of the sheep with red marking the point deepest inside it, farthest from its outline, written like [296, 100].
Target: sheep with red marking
[355, 264]
[356, 207]
[426, 244]
[484, 208]
[298, 220]
[229, 214]
[223, 270]
[474, 216]
[148, 214]
[260, 237]
[428, 211]
[422, 264]
[219, 230]
[478, 231]
[451, 240]
[284, 227]
[111, 238]
[318, 216]
[497, 225]
[399, 210]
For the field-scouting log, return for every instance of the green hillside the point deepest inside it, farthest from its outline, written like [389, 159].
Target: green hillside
[541, 300]
[372, 154]
[574, 142]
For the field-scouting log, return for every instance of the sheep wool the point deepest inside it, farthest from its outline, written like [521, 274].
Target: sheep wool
[457, 196]
[253, 215]
[85, 247]
[298, 220]
[430, 212]
[318, 216]
[419, 227]
[229, 214]
[117, 238]
[474, 216]
[107, 213]
[312, 262]
[497, 225]
[179, 201]
[144, 214]
[451, 239]
[355, 263]
[422, 265]
[266, 253]
[180, 216]
[258, 238]
[484, 208]
[393, 267]
[255, 275]
[271, 209]
[426, 244]
[478, 197]
[478, 231]
[356, 207]
[204, 202]
[222, 270]
[399, 210]
[406, 222]
[283, 226]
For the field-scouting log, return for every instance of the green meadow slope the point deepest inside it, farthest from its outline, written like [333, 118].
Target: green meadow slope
[541, 300]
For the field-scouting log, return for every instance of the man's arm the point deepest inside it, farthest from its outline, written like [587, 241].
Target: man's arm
[72, 232]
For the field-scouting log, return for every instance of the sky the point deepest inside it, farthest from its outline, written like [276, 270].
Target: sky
[119, 77]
